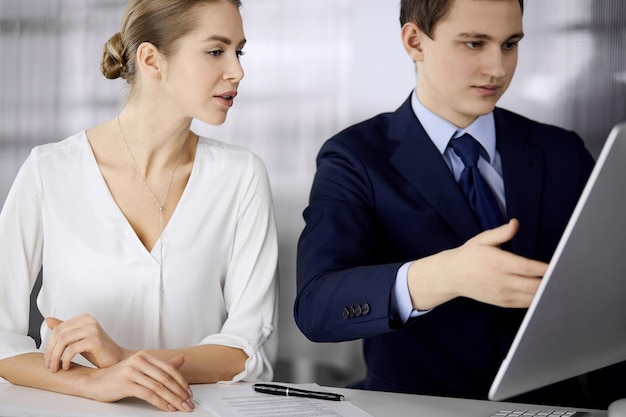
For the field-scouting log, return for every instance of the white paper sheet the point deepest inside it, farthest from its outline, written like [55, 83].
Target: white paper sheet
[240, 400]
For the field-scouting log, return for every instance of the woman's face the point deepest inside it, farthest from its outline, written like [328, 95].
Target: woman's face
[203, 76]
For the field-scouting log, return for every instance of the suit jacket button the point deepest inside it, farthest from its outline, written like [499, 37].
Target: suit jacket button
[357, 310]
[352, 311]
[365, 309]
[345, 313]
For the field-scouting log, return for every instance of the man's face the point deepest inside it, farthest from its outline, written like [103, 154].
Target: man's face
[470, 60]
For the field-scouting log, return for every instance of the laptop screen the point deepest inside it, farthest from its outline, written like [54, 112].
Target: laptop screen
[577, 320]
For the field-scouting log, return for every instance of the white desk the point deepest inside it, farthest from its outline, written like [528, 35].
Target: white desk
[379, 404]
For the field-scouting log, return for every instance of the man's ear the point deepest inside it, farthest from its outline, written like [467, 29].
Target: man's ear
[412, 39]
[149, 61]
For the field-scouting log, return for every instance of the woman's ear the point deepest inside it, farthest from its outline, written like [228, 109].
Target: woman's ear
[149, 61]
[412, 39]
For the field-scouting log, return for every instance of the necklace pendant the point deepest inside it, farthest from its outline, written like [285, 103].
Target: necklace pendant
[161, 209]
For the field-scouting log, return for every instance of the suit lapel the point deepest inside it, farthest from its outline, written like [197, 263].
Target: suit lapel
[417, 159]
[523, 171]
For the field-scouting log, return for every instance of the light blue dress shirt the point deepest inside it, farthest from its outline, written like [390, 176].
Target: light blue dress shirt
[440, 131]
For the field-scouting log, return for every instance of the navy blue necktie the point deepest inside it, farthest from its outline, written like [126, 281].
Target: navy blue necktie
[478, 193]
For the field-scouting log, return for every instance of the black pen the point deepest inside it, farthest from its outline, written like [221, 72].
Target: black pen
[295, 392]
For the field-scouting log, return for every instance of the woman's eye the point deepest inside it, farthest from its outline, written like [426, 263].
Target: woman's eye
[240, 53]
[215, 53]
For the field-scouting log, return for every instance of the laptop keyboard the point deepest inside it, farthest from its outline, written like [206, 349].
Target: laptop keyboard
[539, 413]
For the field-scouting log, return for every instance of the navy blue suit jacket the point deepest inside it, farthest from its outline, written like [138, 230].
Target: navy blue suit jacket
[382, 196]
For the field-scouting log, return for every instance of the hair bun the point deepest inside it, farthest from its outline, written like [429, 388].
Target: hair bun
[113, 63]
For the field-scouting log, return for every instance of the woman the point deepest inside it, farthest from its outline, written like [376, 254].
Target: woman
[159, 247]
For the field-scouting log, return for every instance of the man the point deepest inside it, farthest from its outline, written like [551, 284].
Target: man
[395, 253]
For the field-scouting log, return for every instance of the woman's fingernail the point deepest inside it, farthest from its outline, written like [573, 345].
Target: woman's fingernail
[188, 405]
[190, 392]
[171, 407]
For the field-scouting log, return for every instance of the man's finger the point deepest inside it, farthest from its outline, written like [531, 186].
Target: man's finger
[497, 236]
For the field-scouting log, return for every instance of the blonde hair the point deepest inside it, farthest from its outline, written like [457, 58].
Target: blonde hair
[159, 22]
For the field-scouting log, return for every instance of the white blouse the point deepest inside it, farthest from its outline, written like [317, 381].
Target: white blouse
[219, 256]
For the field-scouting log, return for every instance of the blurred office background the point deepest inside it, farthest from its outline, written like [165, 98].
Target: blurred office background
[312, 68]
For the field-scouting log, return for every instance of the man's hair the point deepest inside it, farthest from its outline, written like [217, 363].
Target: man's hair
[426, 13]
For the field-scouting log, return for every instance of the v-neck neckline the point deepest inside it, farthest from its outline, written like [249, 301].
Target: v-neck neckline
[155, 252]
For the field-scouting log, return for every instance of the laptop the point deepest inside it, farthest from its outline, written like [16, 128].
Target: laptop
[576, 322]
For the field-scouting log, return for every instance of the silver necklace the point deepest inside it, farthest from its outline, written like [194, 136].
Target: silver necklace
[160, 207]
